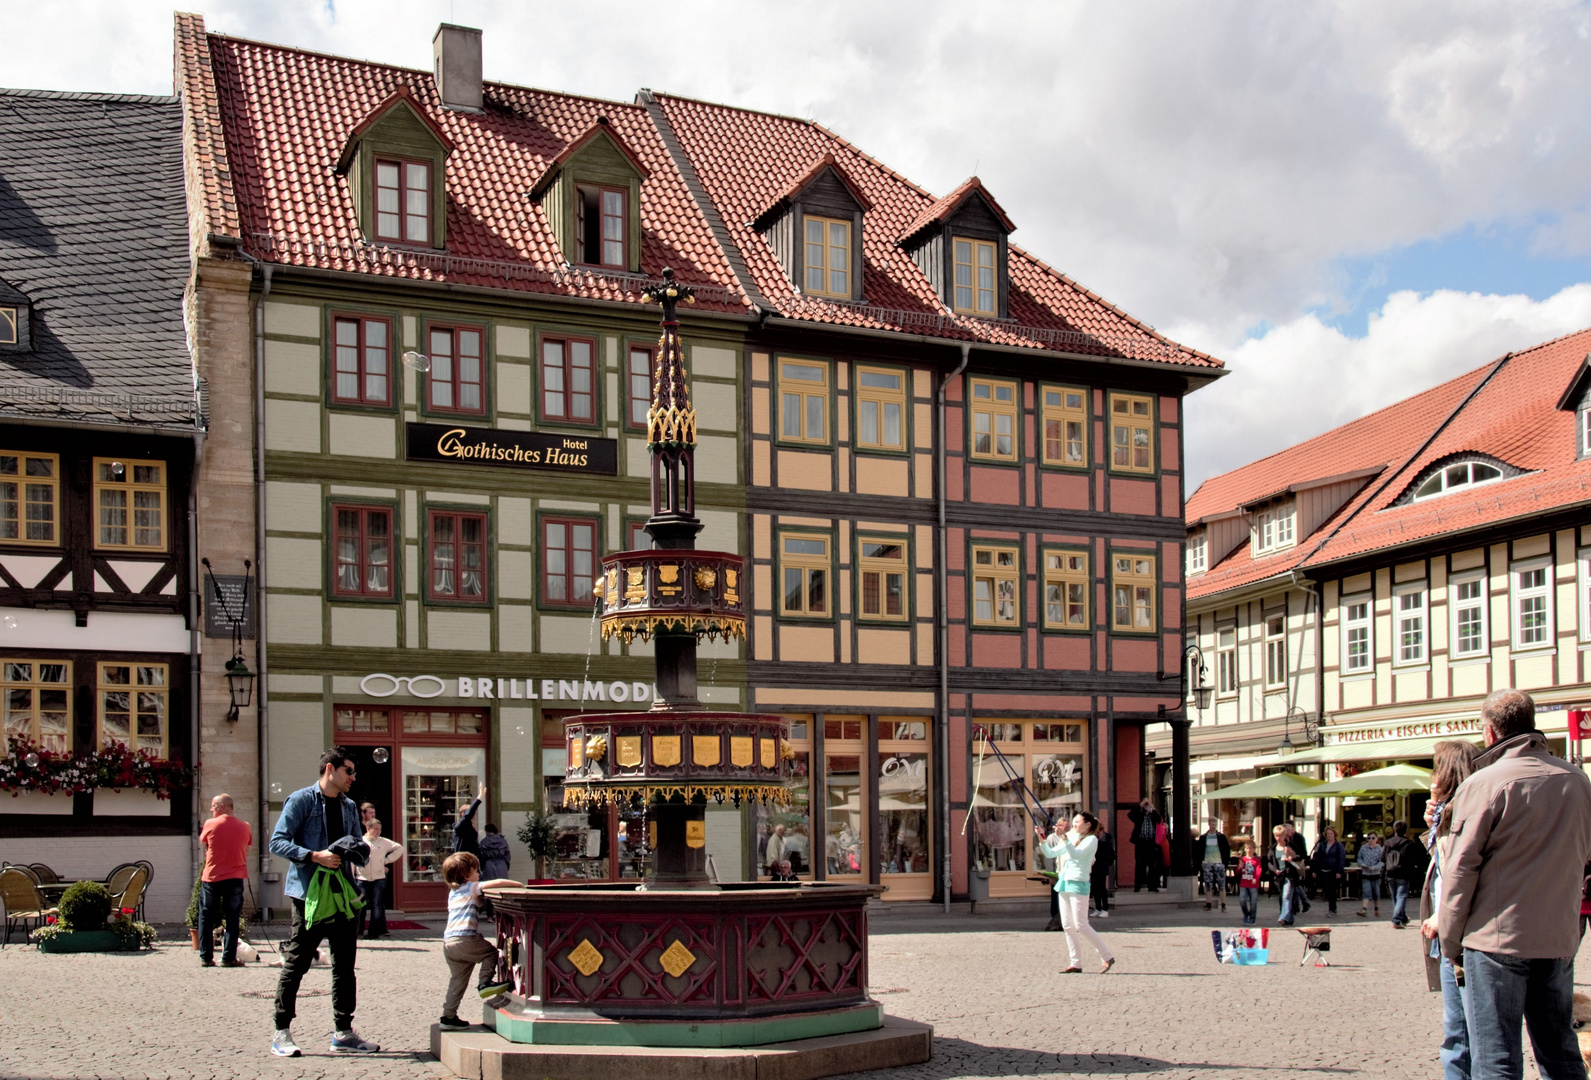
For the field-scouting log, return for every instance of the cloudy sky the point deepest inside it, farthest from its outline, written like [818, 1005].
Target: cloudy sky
[1347, 201]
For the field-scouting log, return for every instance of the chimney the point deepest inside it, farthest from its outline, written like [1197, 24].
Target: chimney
[457, 51]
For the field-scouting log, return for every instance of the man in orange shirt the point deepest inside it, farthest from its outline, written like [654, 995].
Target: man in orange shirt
[226, 841]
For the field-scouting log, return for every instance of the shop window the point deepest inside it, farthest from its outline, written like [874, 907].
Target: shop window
[828, 257]
[790, 822]
[640, 383]
[976, 292]
[602, 226]
[443, 721]
[995, 574]
[1409, 602]
[348, 720]
[902, 730]
[362, 540]
[902, 793]
[843, 729]
[134, 706]
[1066, 587]
[403, 201]
[1469, 616]
[30, 498]
[457, 382]
[130, 502]
[1226, 662]
[1532, 604]
[1065, 426]
[568, 561]
[845, 817]
[36, 703]
[882, 577]
[361, 360]
[437, 789]
[1067, 733]
[1134, 586]
[1358, 656]
[457, 552]
[803, 401]
[804, 567]
[880, 409]
[994, 419]
[1050, 758]
[1131, 433]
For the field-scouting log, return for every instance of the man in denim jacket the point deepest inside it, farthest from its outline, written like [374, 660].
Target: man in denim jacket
[313, 819]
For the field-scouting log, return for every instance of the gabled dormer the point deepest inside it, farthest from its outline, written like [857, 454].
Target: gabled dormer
[591, 194]
[815, 230]
[16, 317]
[396, 164]
[1577, 399]
[960, 244]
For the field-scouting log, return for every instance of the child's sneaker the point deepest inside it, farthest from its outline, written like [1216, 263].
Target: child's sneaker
[495, 989]
[453, 1022]
[282, 1044]
[349, 1042]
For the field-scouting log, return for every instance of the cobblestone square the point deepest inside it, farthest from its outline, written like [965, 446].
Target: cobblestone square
[990, 985]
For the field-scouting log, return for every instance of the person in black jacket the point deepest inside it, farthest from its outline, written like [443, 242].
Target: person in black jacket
[465, 835]
[1329, 862]
[1404, 864]
[1214, 851]
[1295, 842]
[1099, 873]
[1147, 868]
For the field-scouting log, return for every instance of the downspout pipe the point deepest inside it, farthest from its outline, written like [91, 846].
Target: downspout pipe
[262, 683]
[942, 616]
[195, 642]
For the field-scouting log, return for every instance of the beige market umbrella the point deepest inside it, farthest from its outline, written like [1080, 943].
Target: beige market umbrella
[1282, 785]
[1392, 779]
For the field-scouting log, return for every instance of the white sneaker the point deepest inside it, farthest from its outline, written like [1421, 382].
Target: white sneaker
[1101, 914]
[349, 1042]
[282, 1044]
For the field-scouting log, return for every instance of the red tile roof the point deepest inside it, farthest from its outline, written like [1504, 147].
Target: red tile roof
[939, 211]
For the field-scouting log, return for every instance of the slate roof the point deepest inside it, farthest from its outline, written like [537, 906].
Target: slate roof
[269, 123]
[94, 232]
[1505, 409]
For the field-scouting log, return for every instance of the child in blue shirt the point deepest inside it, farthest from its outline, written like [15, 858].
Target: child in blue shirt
[462, 942]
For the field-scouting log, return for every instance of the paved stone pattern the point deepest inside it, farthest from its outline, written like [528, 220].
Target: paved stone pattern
[990, 986]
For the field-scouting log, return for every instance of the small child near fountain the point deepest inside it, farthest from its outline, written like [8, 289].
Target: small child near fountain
[462, 942]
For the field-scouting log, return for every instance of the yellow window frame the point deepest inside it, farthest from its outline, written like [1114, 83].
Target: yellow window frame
[25, 674]
[1064, 437]
[876, 568]
[803, 394]
[988, 409]
[8, 326]
[1135, 592]
[1067, 585]
[1132, 433]
[833, 251]
[981, 281]
[19, 492]
[997, 583]
[804, 563]
[131, 488]
[873, 401]
[147, 689]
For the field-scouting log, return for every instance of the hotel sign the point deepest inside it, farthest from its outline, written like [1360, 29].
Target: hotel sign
[532, 450]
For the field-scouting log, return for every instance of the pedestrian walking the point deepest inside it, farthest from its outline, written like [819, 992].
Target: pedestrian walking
[463, 944]
[1146, 849]
[1074, 853]
[226, 841]
[372, 879]
[1370, 858]
[1403, 867]
[1287, 870]
[1454, 762]
[465, 835]
[495, 856]
[1510, 888]
[1099, 874]
[1249, 872]
[1212, 870]
[314, 820]
[773, 850]
[1329, 862]
[1295, 842]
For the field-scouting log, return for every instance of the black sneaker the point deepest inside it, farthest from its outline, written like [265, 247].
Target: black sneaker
[453, 1022]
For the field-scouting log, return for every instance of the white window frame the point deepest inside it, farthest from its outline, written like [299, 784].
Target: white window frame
[1275, 529]
[1226, 668]
[1275, 651]
[1198, 553]
[1517, 595]
[1403, 616]
[1583, 559]
[1349, 624]
[1585, 432]
[1457, 606]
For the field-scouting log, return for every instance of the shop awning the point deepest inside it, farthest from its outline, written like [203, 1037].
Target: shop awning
[1390, 780]
[1205, 766]
[1391, 750]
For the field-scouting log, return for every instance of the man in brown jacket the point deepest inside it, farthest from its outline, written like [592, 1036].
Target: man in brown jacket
[1511, 895]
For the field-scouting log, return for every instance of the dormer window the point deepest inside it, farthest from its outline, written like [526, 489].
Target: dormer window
[403, 201]
[1275, 528]
[814, 228]
[8, 326]
[15, 335]
[977, 290]
[395, 163]
[828, 257]
[1198, 553]
[603, 227]
[960, 245]
[1453, 477]
[1585, 432]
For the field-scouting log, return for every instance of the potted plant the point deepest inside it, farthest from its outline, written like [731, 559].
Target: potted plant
[85, 925]
[537, 836]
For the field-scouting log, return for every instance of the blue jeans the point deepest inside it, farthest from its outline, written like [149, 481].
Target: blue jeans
[374, 894]
[1289, 899]
[1455, 1029]
[1370, 892]
[1249, 901]
[1400, 901]
[1502, 991]
[220, 903]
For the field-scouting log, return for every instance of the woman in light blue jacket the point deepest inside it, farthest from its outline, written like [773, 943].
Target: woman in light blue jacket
[1074, 852]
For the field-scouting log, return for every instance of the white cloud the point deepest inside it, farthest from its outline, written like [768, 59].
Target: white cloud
[1304, 377]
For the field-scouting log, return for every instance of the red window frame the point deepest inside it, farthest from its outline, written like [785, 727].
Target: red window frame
[444, 580]
[636, 538]
[405, 216]
[448, 369]
[361, 563]
[354, 360]
[567, 586]
[604, 217]
[558, 377]
[640, 386]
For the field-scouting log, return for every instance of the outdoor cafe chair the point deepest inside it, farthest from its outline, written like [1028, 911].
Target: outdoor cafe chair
[117, 881]
[133, 894]
[45, 874]
[149, 879]
[23, 902]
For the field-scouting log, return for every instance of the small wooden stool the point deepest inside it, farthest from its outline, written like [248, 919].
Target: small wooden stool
[1317, 940]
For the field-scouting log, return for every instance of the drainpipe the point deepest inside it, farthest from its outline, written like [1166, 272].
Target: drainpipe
[195, 643]
[942, 616]
[261, 690]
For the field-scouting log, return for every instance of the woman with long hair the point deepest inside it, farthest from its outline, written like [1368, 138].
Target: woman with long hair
[1454, 762]
[1073, 852]
[1329, 862]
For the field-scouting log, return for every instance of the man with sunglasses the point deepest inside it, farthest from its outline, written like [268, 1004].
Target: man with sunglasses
[313, 819]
